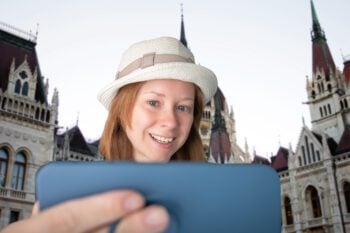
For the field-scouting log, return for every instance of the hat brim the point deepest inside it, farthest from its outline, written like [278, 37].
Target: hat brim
[204, 78]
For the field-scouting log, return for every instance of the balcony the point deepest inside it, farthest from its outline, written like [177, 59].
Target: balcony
[13, 194]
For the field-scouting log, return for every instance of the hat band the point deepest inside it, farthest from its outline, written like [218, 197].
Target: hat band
[151, 59]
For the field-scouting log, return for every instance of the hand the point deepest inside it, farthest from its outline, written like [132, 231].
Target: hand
[95, 213]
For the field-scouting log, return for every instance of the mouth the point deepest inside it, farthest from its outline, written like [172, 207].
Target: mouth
[160, 139]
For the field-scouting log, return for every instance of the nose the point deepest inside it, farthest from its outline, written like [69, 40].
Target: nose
[168, 118]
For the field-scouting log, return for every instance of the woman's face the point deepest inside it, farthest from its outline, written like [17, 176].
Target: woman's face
[161, 119]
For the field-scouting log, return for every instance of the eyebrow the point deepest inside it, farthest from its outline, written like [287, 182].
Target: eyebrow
[163, 95]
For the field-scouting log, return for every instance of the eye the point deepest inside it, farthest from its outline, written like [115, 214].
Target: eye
[153, 103]
[184, 108]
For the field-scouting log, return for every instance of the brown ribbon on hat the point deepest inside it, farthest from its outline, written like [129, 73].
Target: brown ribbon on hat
[150, 59]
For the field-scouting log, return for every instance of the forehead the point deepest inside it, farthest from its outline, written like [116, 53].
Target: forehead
[168, 86]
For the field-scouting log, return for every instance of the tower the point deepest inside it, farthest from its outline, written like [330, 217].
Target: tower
[328, 90]
[218, 127]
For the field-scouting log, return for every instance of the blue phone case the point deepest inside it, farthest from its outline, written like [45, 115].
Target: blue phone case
[200, 197]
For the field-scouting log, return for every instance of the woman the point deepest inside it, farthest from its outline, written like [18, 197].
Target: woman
[155, 106]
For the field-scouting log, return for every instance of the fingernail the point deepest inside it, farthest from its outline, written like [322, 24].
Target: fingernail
[133, 202]
[156, 217]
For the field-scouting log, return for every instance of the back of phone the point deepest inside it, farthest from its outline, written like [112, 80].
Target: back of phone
[200, 197]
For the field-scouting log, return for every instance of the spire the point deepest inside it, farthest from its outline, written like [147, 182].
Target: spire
[219, 139]
[182, 34]
[317, 32]
[322, 59]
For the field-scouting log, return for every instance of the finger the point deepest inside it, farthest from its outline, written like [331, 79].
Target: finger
[35, 209]
[83, 214]
[152, 219]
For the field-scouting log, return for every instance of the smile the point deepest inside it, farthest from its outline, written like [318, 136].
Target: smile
[161, 139]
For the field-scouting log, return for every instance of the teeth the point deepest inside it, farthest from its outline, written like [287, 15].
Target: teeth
[162, 139]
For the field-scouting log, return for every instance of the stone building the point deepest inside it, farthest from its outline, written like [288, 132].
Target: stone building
[27, 123]
[315, 177]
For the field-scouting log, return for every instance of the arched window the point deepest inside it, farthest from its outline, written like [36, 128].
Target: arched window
[329, 87]
[321, 112]
[346, 103]
[346, 188]
[315, 204]
[18, 86]
[313, 152]
[304, 156]
[25, 89]
[313, 94]
[3, 166]
[329, 109]
[307, 150]
[18, 172]
[299, 158]
[341, 105]
[288, 211]
[318, 155]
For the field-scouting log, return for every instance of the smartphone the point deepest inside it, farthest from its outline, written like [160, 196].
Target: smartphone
[200, 197]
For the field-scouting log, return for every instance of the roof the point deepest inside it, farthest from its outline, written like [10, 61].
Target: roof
[332, 145]
[77, 141]
[280, 161]
[15, 47]
[321, 56]
[260, 160]
[344, 142]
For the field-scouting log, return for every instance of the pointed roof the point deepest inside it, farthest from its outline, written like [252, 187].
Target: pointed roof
[182, 32]
[14, 47]
[321, 56]
[344, 143]
[332, 145]
[346, 69]
[220, 145]
[280, 161]
[77, 141]
[260, 160]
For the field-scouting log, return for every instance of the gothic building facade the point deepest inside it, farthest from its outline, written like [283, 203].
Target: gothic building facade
[27, 122]
[315, 177]
[218, 127]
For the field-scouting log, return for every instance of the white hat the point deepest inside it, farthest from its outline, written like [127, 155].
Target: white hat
[160, 58]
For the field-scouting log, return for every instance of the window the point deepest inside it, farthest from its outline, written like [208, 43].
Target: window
[318, 155]
[3, 167]
[18, 172]
[304, 156]
[18, 86]
[313, 152]
[346, 188]
[14, 216]
[312, 196]
[25, 89]
[288, 211]
[21, 86]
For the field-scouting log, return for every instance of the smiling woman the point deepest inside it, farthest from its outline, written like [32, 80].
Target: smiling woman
[155, 104]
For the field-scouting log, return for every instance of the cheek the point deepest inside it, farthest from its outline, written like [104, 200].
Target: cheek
[140, 118]
[187, 124]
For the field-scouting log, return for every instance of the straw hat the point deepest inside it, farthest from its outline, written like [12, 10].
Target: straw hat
[160, 58]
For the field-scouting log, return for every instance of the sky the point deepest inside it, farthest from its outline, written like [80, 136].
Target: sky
[259, 50]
